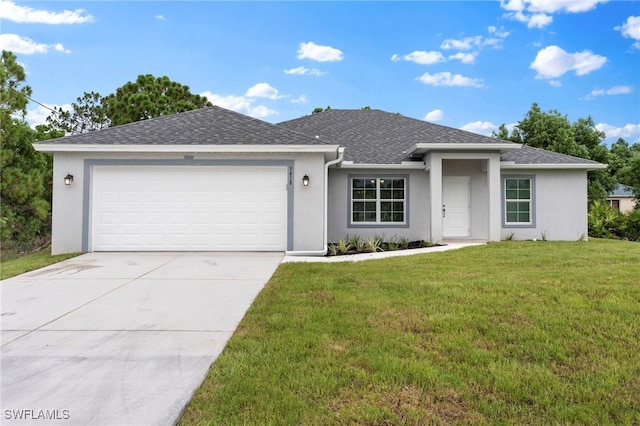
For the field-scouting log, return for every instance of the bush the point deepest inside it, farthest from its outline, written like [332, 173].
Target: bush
[605, 222]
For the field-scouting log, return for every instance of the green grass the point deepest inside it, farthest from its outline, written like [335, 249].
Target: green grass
[29, 262]
[508, 333]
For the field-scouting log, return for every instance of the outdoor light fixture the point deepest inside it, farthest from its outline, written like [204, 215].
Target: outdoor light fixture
[305, 180]
[68, 179]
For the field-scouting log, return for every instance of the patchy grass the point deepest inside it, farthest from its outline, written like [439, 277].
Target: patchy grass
[508, 333]
[29, 262]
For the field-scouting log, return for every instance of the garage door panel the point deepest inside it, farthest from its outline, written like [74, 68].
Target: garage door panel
[189, 208]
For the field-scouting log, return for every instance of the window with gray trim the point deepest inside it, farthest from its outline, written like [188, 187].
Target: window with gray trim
[518, 201]
[379, 200]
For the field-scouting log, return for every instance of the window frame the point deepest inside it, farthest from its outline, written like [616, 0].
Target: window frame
[531, 200]
[378, 223]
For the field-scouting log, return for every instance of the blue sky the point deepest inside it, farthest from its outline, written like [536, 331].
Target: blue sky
[471, 65]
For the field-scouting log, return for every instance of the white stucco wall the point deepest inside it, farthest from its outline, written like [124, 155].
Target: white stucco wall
[71, 203]
[560, 205]
[419, 215]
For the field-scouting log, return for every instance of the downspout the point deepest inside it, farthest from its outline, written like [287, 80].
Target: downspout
[325, 218]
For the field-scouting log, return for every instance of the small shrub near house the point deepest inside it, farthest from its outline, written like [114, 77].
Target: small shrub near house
[373, 244]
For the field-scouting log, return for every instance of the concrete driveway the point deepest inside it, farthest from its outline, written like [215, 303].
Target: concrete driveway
[120, 338]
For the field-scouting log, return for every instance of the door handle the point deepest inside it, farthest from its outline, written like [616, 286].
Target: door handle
[444, 211]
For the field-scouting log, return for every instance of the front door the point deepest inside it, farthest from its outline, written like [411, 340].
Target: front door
[455, 206]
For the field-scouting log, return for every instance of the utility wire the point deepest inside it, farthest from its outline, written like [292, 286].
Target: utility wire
[33, 100]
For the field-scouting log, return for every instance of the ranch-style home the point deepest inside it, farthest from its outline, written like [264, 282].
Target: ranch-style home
[212, 179]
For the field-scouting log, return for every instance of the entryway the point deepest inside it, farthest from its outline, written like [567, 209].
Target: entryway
[455, 206]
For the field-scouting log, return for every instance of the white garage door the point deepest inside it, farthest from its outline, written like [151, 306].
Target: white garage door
[189, 208]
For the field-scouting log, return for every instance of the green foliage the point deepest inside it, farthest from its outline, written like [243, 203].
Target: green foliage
[605, 222]
[150, 97]
[553, 132]
[87, 115]
[13, 91]
[319, 110]
[374, 244]
[24, 172]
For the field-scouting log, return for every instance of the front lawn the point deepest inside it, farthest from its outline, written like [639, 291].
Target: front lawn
[508, 333]
[29, 262]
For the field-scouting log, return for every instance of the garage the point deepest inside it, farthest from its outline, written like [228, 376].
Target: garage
[188, 208]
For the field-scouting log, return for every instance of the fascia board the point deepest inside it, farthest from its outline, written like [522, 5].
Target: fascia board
[403, 165]
[44, 147]
[427, 147]
[511, 166]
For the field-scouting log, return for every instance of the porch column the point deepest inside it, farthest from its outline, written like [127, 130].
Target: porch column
[495, 197]
[434, 163]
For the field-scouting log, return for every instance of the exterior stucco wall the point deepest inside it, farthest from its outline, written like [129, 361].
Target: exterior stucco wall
[418, 217]
[626, 204]
[560, 205]
[71, 204]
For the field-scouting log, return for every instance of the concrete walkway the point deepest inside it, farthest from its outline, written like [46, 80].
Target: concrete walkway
[447, 245]
[120, 338]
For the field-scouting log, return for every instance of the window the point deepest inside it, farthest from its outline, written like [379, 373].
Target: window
[378, 200]
[615, 204]
[518, 201]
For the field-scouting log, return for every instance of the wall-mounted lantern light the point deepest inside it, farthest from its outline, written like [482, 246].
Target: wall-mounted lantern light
[68, 179]
[305, 180]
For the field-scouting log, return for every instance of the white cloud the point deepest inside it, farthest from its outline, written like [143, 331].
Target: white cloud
[535, 13]
[465, 58]
[553, 62]
[263, 90]
[466, 43]
[435, 115]
[420, 57]
[484, 128]
[631, 29]
[241, 104]
[616, 90]
[539, 20]
[303, 71]
[570, 6]
[555, 83]
[26, 46]
[319, 53]
[23, 14]
[448, 79]
[302, 99]
[629, 131]
[160, 17]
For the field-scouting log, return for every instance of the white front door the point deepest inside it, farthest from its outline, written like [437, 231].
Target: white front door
[455, 206]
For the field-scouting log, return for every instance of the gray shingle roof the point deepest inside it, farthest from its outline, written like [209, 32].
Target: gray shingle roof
[379, 137]
[205, 126]
[622, 191]
[531, 155]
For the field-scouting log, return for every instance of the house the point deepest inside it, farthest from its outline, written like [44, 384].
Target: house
[213, 179]
[621, 199]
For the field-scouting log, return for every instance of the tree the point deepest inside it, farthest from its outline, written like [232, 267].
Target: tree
[87, 115]
[24, 211]
[319, 109]
[553, 132]
[150, 97]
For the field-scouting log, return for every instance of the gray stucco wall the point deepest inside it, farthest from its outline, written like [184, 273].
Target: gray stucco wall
[70, 203]
[418, 228]
[560, 205]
